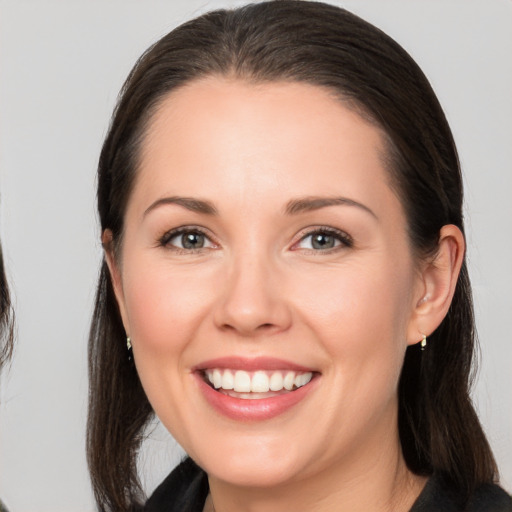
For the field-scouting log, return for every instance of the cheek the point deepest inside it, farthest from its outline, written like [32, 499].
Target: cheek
[163, 305]
[360, 313]
[365, 299]
[165, 308]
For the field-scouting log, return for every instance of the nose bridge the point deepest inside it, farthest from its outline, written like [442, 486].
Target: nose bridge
[252, 300]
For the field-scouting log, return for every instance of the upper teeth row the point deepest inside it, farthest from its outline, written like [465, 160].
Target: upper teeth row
[258, 382]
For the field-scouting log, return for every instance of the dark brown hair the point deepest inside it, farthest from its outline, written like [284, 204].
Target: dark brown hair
[323, 45]
[6, 317]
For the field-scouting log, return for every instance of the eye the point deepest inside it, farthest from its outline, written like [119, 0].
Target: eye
[323, 240]
[186, 239]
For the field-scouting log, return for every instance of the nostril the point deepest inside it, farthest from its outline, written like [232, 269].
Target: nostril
[266, 328]
[227, 327]
[260, 328]
[252, 317]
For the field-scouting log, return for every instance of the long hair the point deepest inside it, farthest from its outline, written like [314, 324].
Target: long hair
[6, 317]
[319, 44]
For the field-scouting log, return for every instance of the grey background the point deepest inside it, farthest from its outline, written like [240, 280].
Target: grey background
[61, 66]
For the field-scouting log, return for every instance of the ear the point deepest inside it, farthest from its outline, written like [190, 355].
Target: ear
[115, 275]
[438, 278]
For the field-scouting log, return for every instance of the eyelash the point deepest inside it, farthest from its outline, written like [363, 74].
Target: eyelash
[164, 240]
[345, 240]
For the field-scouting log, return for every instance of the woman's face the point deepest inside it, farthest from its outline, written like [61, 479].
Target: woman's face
[265, 250]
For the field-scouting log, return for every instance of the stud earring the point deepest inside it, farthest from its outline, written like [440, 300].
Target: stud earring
[128, 343]
[423, 343]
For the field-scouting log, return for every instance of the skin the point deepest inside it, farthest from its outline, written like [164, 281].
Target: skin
[259, 288]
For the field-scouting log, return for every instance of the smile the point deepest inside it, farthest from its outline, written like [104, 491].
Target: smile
[257, 384]
[254, 389]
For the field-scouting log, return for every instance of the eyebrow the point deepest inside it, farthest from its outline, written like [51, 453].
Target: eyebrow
[308, 204]
[293, 207]
[194, 205]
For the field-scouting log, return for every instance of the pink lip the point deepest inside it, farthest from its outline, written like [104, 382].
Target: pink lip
[258, 409]
[253, 364]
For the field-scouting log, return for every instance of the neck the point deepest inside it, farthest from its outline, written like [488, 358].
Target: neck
[382, 484]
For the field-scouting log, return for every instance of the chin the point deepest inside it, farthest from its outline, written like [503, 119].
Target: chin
[255, 465]
[257, 474]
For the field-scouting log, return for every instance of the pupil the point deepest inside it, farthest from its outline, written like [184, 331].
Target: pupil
[192, 240]
[322, 241]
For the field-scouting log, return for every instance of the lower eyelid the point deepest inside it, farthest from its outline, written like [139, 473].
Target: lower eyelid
[165, 239]
[342, 238]
[337, 243]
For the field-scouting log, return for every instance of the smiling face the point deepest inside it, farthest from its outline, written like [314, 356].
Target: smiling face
[265, 250]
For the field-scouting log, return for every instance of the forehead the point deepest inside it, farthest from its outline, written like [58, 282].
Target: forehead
[216, 101]
[217, 134]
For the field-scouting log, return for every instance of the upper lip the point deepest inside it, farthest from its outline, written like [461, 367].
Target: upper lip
[251, 364]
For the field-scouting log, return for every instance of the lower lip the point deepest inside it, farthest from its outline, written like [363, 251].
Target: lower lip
[253, 409]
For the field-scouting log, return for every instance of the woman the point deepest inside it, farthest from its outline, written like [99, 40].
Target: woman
[284, 282]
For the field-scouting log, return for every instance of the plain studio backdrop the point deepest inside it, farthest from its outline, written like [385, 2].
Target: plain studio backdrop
[61, 67]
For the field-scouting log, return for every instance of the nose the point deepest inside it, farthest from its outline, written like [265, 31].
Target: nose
[253, 299]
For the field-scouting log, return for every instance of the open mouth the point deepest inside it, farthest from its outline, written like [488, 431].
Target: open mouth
[255, 384]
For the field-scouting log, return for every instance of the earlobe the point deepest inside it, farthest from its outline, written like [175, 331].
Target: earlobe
[115, 274]
[439, 277]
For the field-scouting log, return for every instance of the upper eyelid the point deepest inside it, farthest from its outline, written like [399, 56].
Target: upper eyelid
[345, 239]
[186, 227]
[321, 229]
[171, 233]
[303, 233]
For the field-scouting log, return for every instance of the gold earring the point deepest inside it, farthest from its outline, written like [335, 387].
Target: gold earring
[128, 343]
[423, 343]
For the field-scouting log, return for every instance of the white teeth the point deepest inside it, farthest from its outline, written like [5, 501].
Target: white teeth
[276, 382]
[228, 381]
[289, 381]
[302, 380]
[217, 379]
[242, 382]
[260, 381]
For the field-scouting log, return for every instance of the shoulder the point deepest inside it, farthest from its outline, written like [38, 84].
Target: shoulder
[490, 498]
[438, 496]
[184, 490]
